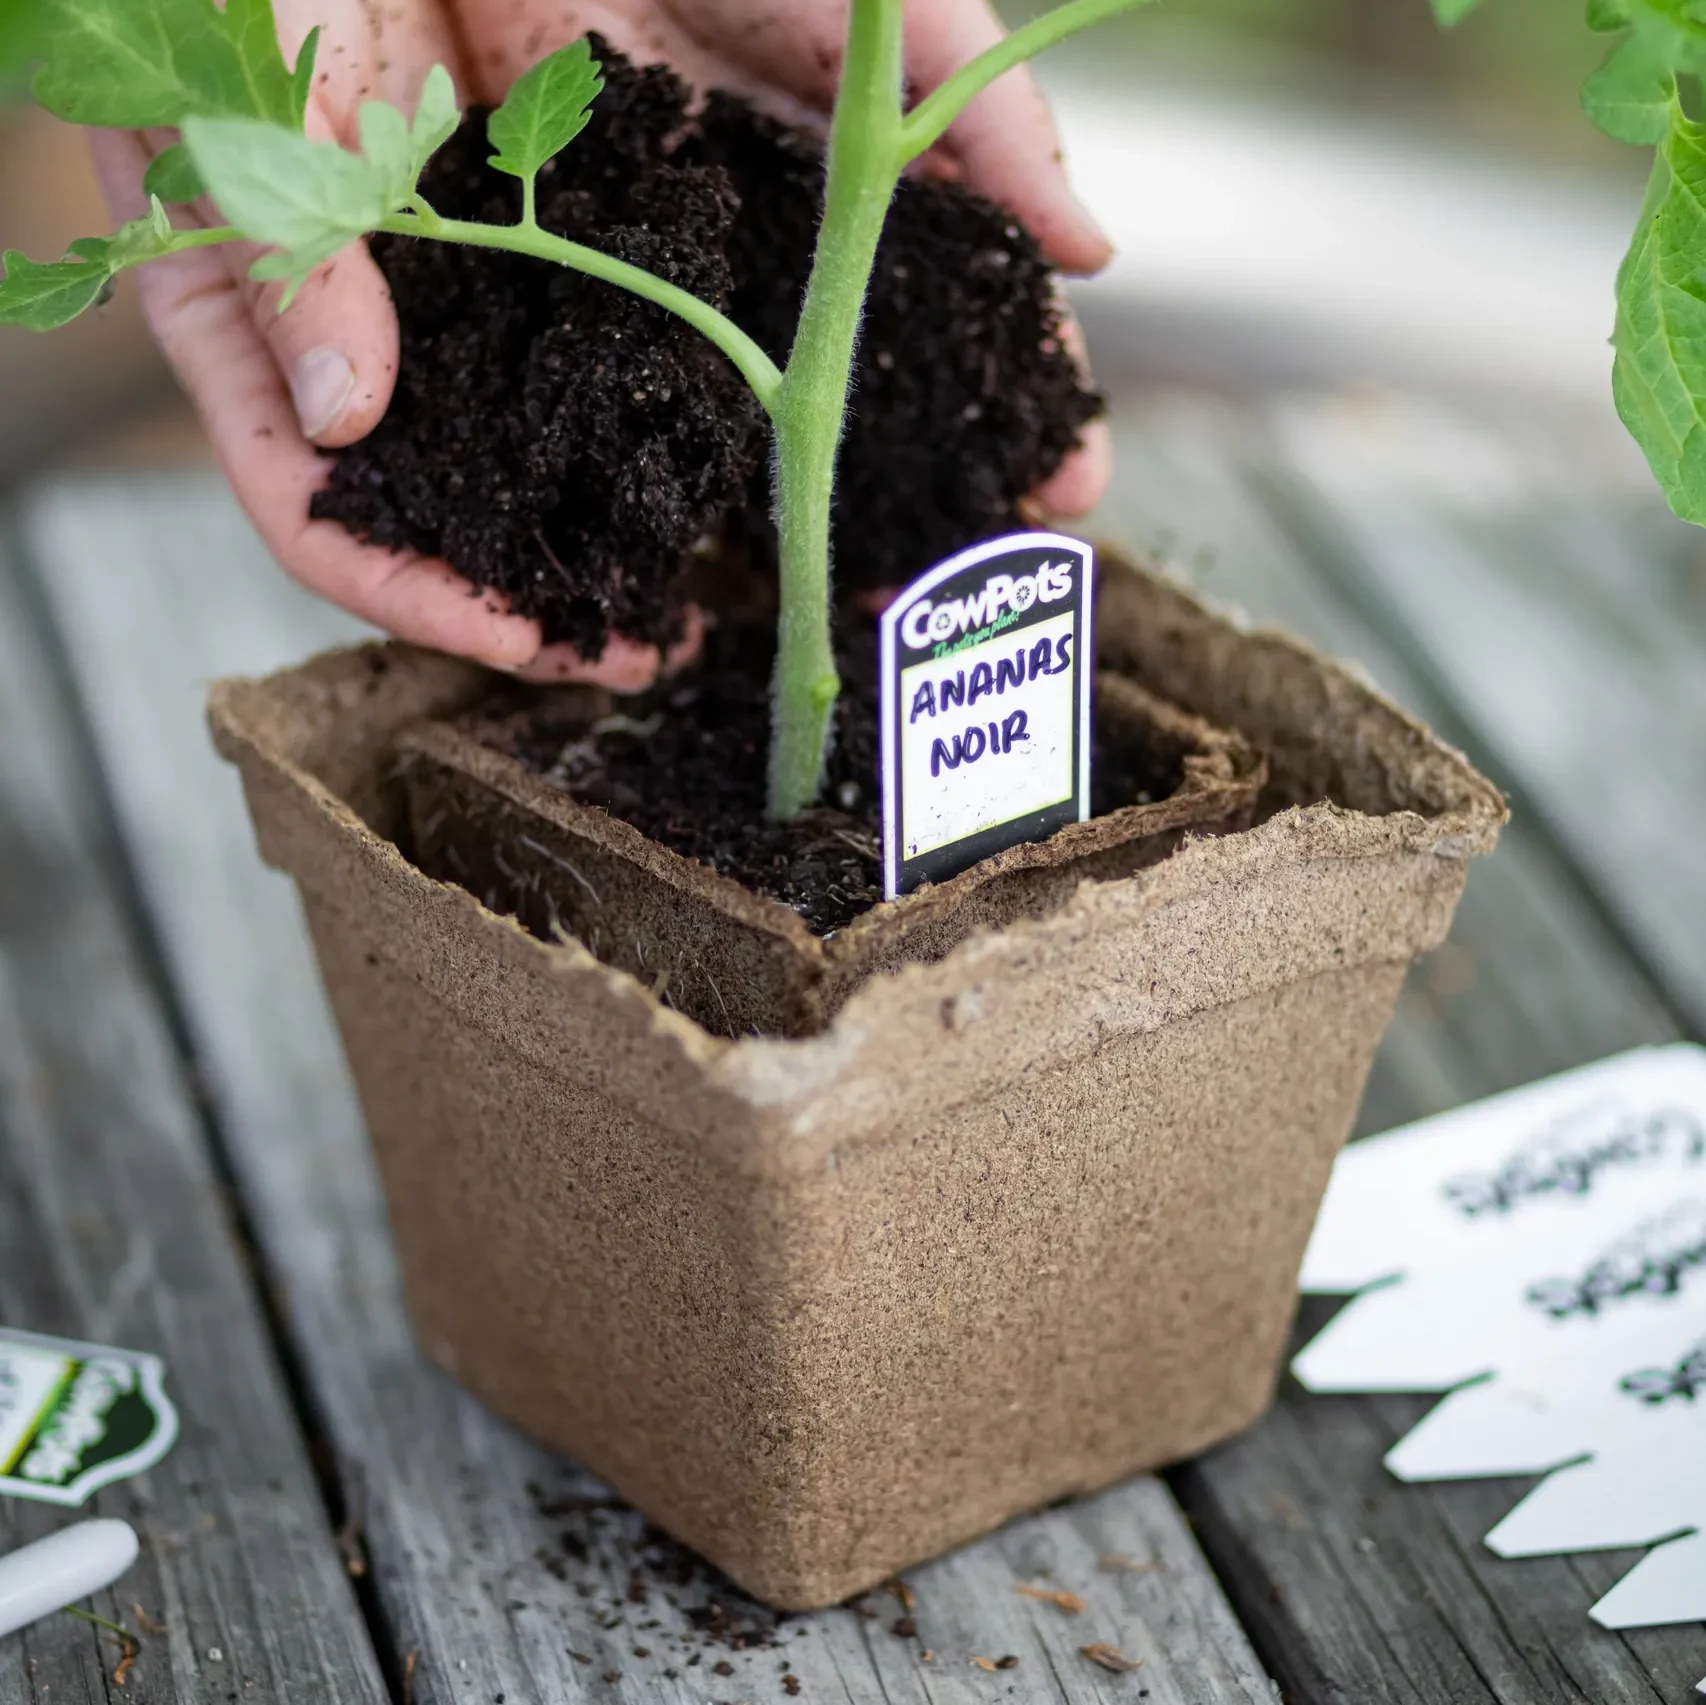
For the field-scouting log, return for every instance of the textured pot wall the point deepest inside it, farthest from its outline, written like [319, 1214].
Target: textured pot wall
[1017, 1223]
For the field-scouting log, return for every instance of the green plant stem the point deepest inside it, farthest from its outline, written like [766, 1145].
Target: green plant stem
[759, 371]
[928, 120]
[207, 238]
[864, 166]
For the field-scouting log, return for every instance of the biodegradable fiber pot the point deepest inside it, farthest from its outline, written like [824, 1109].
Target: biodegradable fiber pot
[1014, 1224]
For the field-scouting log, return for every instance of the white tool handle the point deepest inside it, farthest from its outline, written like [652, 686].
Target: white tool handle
[64, 1567]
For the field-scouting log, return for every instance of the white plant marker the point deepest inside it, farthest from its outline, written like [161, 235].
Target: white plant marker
[1542, 1256]
[61, 1569]
[985, 665]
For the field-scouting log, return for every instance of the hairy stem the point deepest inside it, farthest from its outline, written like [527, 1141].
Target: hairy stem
[928, 120]
[864, 166]
[870, 145]
[206, 237]
[759, 371]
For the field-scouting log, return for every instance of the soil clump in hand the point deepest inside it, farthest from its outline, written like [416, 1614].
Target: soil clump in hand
[567, 444]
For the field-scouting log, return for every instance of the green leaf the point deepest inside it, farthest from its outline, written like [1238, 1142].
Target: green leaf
[386, 143]
[172, 176]
[1675, 28]
[1449, 12]
[306, 198]
[399, 150]
[302, 78]
[133, 64]
[40, 297]
[545, 110]
[436, 116]
[1606, 16]
[44, 296]
[1659, 378]
[1630, 95]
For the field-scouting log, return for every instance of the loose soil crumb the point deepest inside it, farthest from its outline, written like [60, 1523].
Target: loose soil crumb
[567, 444]
[681, 1606]
[686, 764]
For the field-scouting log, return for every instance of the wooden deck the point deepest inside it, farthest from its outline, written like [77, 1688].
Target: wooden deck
[182, 1167]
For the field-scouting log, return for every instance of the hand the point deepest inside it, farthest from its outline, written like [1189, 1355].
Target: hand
[272, 388]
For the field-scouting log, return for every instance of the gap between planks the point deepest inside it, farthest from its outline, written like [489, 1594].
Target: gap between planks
[112, 1229]
[1355, 1587]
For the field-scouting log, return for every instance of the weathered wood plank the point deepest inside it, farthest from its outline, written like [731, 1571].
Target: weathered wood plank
[1560, 608]
[112, 1228]
[160, 586]
[1357, 1588]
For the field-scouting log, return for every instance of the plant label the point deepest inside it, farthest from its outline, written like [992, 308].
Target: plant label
[985, 682]
[1541, 1258]
[75, 1417]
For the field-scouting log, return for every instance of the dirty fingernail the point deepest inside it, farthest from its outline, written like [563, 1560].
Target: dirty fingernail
[320, 387]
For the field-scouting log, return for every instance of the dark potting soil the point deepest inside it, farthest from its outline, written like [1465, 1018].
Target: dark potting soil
[566, 443]
[686, 764]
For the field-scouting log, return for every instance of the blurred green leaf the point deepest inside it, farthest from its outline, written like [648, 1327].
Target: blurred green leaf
[1630, 95]
[436, 116]
[386, 143]
[172, 176]
[42, 296]
[1659, 378]
[1606, 16]
[307, 199]
[138, 63]
[1450, 12]
[302, 78]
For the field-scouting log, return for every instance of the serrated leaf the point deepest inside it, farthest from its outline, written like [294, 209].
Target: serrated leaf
[294, 266]
[279, 188]
[40, 297]
[307, 198]
[1659, 378]
[172, 176]
[545, 110]
[132, 64]
[302, 78]
[1630, 95]
[436, 116]
[1449, 12]
[1606, 16]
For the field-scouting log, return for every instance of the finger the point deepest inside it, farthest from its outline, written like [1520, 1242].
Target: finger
[368, 51]
[202, 318]
[1005, 141]
[1082, 480]
[626, 666]
[337, 344]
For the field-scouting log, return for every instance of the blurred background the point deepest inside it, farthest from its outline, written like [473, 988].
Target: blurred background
[1303, 192]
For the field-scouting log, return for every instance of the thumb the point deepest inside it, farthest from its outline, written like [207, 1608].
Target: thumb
[337, 342]
[336, 346]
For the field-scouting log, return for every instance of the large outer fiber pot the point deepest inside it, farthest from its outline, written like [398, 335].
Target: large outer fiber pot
[1015, 1224]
